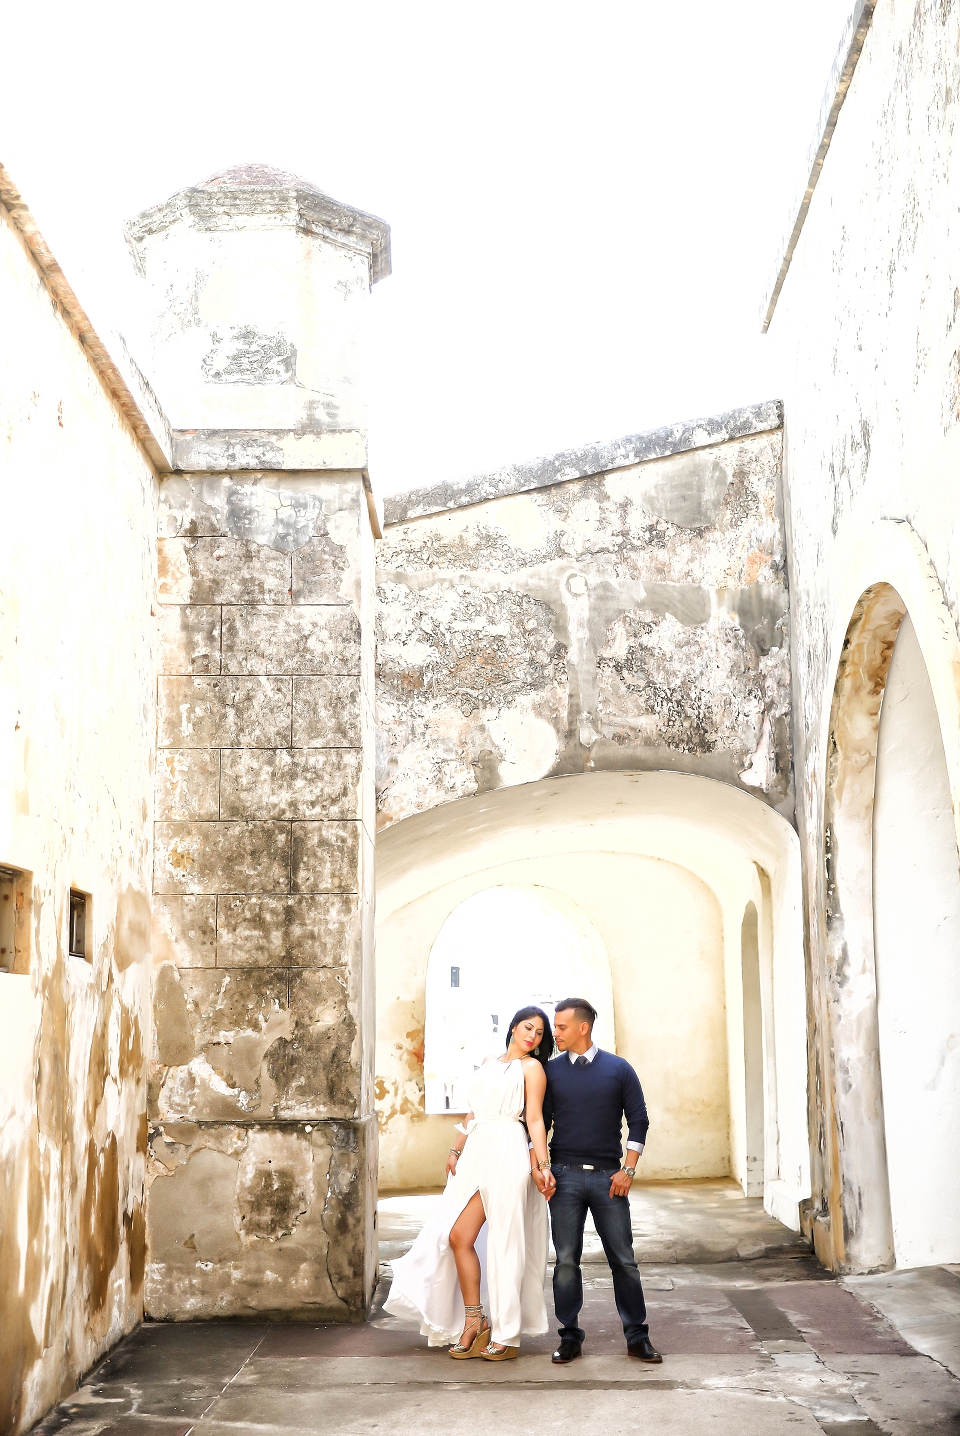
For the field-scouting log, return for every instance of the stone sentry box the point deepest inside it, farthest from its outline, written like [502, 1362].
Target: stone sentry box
[262, 1166]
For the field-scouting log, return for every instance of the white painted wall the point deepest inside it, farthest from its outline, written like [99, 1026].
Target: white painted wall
[77, 690]
[917, 935]
[866, 336]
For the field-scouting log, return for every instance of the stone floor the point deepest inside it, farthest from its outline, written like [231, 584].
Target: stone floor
[757, 1339]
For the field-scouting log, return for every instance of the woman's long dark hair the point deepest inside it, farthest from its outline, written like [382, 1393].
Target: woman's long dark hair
[544, 1052]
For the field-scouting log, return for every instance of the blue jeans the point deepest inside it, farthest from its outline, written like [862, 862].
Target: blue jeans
[577, 1193]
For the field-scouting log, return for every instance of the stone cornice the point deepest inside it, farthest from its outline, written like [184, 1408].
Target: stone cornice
[268, 207]
[581, 463]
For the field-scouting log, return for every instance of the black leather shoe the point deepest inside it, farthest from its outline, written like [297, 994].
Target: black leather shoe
[568, 1350]
[643, 1350]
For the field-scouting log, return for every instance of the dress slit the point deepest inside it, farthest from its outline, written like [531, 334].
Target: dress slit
[512, 1243]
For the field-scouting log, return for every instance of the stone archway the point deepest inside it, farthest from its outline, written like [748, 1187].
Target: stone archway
[700, 851]
[856, 1231]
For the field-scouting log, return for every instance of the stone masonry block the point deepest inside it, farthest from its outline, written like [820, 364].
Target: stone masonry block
[225, 1004]
[212, 1040]
[185, 930]
[320, 639]
[223, 712]
[249, 1216]
[188, 783]
[325, 572]
[189, 639]
[301, 931]
[241, 1041]
[221, 570]
[326, 857]
[291, 783]
[312, 1071]
[326, 712]
[222, 857]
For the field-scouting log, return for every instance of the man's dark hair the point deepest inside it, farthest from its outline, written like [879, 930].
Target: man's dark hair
[582, 1010]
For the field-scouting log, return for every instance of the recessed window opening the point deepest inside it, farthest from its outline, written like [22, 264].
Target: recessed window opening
[12, 912]
[500, 950]
[79, 938]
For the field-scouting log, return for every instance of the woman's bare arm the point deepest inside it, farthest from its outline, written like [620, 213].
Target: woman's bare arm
[458, 1145]
[535, 1086]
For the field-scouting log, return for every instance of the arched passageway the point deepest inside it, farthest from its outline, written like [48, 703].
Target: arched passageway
[663, 867]
[500, 950]
[888, 1002]
[917, 936]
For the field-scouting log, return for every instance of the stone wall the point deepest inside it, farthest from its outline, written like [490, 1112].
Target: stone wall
[262, 1155]
[564, 618]
[78, 500]
[868, 329]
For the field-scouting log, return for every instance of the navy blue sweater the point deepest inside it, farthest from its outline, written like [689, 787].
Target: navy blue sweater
[586, 1107]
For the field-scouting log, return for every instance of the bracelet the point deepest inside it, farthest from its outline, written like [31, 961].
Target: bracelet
[544, 1166]
[456, 1151]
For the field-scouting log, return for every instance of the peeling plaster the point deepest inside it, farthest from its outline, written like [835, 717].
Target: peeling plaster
[635, 619]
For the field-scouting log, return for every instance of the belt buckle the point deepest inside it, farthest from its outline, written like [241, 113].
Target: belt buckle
[587, 1168]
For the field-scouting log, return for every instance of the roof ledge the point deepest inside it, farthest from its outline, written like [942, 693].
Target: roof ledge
[581, 463]
[841, 74]
[105, 349]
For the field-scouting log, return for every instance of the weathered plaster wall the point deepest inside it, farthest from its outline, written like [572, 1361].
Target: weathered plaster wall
[77, 572]
[663, 933]
[868, 329]
[632, 619]
[263, 1155]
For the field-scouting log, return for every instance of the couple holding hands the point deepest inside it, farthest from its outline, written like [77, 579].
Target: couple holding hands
[492, 1221]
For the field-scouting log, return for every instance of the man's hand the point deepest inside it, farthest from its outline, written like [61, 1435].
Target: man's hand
[620, 1184]
[546, 1183]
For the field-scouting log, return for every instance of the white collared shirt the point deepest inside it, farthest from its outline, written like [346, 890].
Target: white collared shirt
[590, 1053]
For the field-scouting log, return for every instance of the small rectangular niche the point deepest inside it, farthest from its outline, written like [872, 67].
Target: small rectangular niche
[454, 977]
[15, 890]
[80, 940]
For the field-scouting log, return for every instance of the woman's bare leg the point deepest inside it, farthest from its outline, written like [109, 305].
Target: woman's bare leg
[463, 1238]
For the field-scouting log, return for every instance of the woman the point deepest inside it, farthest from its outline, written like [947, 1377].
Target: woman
[490, 1182]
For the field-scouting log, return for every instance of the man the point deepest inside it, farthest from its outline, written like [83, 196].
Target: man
[588, 1094]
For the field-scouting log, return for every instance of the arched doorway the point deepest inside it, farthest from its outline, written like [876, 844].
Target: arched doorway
[499, 950]
[884, 997]
[917, 938]
[753, 1064]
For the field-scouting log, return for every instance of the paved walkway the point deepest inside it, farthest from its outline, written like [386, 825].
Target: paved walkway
[761, 1343]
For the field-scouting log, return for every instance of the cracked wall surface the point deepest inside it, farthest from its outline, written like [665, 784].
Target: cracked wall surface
[868, 326]
[77, 573]
[262, 1156]
[628, 620]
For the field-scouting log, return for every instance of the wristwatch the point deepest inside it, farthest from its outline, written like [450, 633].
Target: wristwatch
[630, 1171]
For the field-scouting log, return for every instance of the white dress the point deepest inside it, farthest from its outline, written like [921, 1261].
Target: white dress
[512, 1245]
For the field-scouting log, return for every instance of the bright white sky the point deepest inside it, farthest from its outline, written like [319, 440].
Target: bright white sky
[586, 200]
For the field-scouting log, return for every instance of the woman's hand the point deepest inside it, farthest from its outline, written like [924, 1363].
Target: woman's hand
[452, 1164]
[546, 1182]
